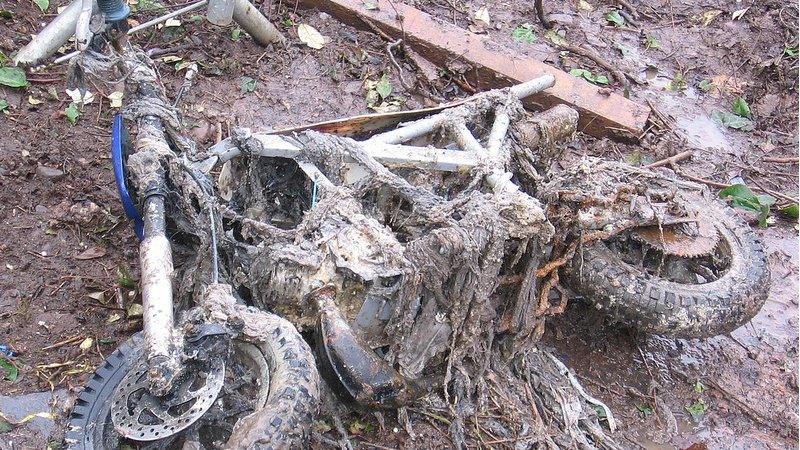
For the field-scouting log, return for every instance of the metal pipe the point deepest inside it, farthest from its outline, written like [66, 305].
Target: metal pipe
[413, 130]
[168, 16]
[255, 24]
[139, 27]
[533, 86]
[499, 180]
[498, 132]
[389, 154]
[429, 124]
[83, 35]
[52, 37]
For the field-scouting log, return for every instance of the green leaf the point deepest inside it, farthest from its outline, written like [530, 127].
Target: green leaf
[697, 409]
[601, 412]
[742, 197]
[555, 38]
[124, 278]
[13, 77]
[645, 409]
[791, 52]
[678, 83]
[42, 4]
[3, 104]
[248, 84]
[72, 112]
[790, 211]
[6, 14]
[733, 121]
[360, 428]
[11, 373]
[5, 427]
[699, 387]
[589, 76]
[384, 87]
[236, 34]
[615, 18]
[651, 42]
[741, 108]
[601, 79]
[705, 85]
[524, 33]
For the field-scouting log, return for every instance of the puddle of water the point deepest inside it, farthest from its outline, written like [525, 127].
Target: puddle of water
[703, 132]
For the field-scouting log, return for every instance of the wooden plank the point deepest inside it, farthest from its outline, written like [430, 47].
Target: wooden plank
[492, 66]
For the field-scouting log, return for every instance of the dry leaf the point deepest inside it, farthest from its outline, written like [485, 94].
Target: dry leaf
[310, 36]
[113, 318]
[87, 343]
[482, 15]
[75, 95]
[172, 23]
[709, 16]
[116, 99]
[738, 14]
[135, 310]
[92, 252]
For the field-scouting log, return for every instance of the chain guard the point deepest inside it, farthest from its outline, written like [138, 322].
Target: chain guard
[140, 416]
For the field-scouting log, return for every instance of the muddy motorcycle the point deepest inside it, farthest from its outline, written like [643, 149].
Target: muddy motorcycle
[420, 252]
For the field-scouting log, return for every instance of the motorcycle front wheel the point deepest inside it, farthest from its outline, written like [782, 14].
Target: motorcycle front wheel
[269, 397]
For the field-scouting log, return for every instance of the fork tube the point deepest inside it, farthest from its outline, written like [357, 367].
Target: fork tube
[155, 259]
[155, 256]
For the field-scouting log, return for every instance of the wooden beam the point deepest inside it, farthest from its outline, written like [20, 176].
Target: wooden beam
[491, 66]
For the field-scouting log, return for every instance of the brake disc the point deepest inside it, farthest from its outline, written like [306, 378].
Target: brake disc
[141, 416]
[687, 240]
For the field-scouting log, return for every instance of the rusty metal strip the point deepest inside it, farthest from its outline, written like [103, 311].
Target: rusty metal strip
[602, 113]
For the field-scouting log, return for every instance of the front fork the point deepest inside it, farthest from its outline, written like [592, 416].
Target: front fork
[162, 347]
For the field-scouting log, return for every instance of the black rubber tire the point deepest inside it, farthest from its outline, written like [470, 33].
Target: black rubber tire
[284, 422]
[655, 305]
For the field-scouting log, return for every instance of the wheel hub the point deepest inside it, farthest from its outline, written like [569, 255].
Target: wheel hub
[141, 416]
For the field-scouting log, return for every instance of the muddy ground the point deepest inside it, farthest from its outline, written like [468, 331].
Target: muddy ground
[68, 256]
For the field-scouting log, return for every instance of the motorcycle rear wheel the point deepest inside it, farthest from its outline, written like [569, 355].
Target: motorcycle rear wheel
[615, 276]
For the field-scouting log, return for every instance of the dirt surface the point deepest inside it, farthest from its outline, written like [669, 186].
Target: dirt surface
[68, 256]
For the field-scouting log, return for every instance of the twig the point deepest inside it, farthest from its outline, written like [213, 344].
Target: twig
[672, 159]
[389, 48]
[370, 444]
[725, 185]
[661, 116]
[542, 15]
[67, 341]
[630, 19]
[755, 415]
[633, 12]
[788, 160]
